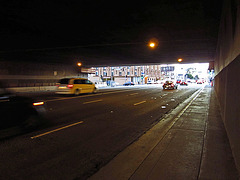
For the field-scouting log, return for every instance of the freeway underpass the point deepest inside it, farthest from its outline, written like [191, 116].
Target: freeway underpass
[85, 132]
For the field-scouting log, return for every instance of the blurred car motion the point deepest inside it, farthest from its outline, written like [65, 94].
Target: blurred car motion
[129, 84]
[169, 85]
[75, 86]
[20, 111]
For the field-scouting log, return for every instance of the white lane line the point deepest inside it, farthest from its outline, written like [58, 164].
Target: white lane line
[133, 94]
[98, 94]
[49, 132]
[88, 102]
[139, 103]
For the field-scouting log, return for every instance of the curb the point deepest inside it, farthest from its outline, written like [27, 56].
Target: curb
[124, 165]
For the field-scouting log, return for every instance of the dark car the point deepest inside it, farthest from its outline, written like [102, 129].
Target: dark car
[19, 111]
[128, 84]
[169, 85]
[183, 83]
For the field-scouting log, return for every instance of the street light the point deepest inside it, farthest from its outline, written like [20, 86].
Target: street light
[180, 60]
[152, 44]
[79, 65]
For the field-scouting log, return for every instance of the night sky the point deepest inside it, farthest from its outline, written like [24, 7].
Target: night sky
[99, 32]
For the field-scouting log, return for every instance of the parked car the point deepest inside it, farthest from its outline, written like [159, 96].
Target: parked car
[100, 84]
[169, 85]
[183, 83]
[112, 83]
[19, 111]
[75, 86]
[129, 84]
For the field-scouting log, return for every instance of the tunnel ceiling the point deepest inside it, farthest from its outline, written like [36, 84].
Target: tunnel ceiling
[100, 33]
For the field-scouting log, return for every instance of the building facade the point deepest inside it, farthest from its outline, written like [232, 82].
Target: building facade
[123, 74]
[149, 73]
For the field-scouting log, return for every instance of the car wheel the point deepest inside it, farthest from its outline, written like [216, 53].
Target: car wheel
[77, 92]
[94, 90]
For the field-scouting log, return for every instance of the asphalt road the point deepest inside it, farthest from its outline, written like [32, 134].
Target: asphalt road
[86, 132]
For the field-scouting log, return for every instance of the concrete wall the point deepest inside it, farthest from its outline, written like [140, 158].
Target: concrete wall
[227, 71]
[25, 74]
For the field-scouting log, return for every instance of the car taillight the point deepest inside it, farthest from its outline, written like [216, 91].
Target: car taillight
[38, 103]
[70, 86]
[172, 85]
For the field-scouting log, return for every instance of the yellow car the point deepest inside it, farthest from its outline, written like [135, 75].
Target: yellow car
[75, 86]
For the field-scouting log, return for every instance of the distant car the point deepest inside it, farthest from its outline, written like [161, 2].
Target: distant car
[178, 81]
[113, 83]
[183, 83]
[75, 86]
[19, 111]
[199, 81]
[169, 85]
[129, 84]
[100, 84]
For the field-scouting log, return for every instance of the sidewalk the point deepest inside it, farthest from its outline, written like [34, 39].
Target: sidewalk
[189, 143]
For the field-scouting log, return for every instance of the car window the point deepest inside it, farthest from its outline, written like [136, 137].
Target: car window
[88, 82]
[80, 81]
[76, 81]
[64, 81]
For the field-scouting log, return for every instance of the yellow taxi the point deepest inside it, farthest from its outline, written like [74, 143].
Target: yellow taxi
[75, 86]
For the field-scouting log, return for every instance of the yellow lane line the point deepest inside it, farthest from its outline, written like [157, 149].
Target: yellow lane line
[139, 103]
[92, 101]
[89, 95]
[133, 94]
[43, 134]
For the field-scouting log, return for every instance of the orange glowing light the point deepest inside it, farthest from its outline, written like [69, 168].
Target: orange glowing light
[152, 45]
[79, 64]
[180, 60]
[38, 103]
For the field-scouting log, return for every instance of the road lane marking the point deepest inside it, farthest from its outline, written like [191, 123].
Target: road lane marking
[64, 127]
[88, 102]
[89, 95]
[133, 94]
[139, 103]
